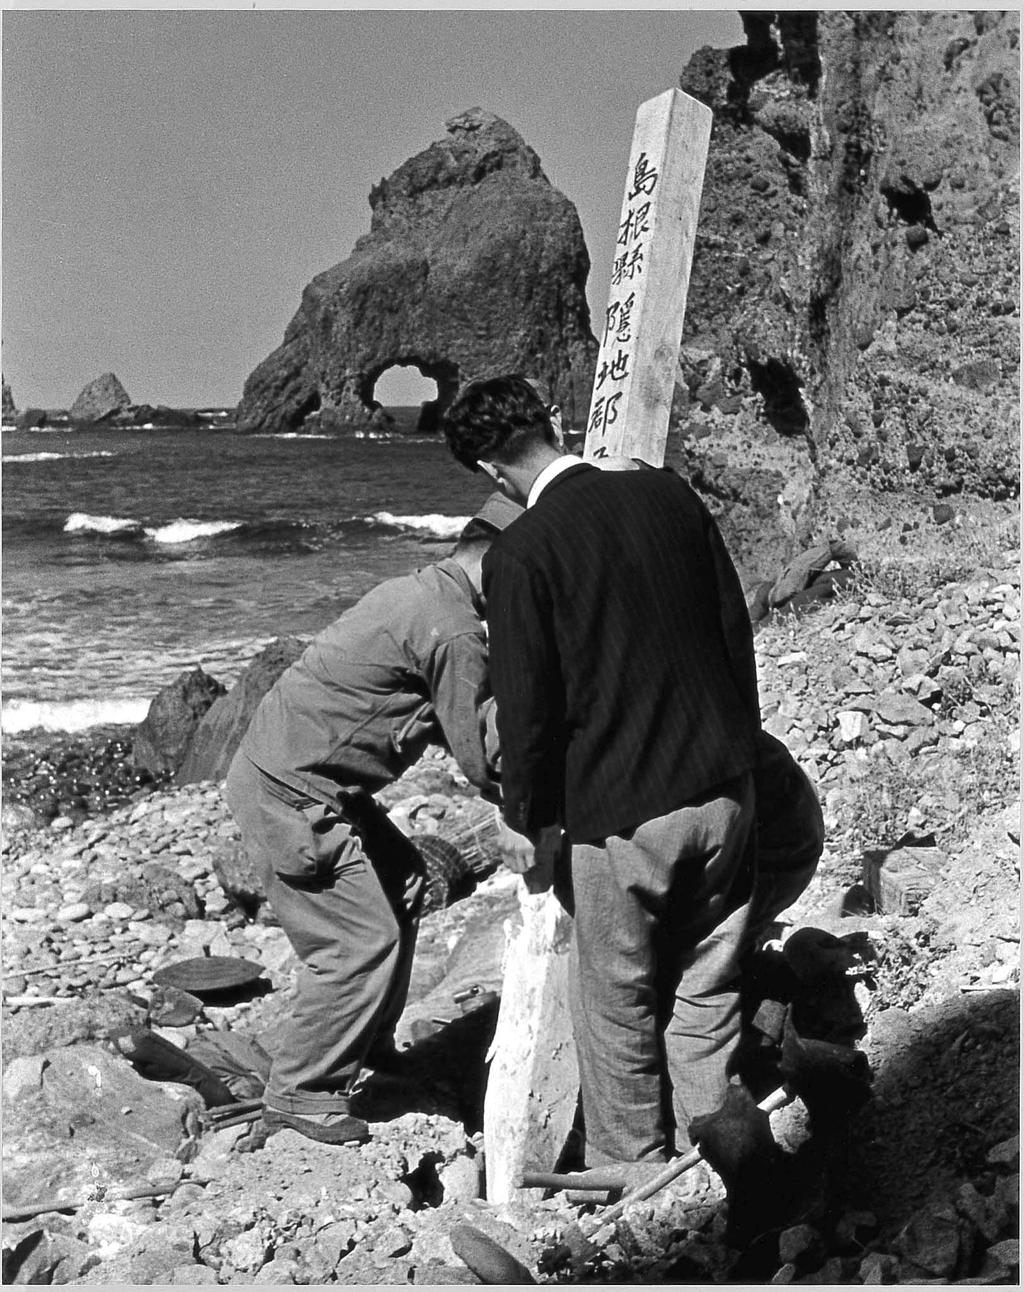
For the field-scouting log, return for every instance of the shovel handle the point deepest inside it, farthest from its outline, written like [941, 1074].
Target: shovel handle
[777, 1099]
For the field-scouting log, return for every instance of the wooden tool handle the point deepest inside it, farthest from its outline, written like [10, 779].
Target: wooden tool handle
[600, 1178]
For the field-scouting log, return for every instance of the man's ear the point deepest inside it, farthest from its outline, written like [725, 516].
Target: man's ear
[489, 469]
[555, 419]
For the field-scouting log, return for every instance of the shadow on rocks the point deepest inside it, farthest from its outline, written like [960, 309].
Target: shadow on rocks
[443, 1074]
[946, 1091]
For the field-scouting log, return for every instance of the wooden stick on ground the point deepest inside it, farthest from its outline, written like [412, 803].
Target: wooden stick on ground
[30, 1209]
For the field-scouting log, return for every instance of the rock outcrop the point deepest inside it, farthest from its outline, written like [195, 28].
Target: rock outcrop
[162, 739]
[851, 344]
[212, 745]
[31, 418]
[82, 1118]
[100, 400]
[474, 265]
[106, 401]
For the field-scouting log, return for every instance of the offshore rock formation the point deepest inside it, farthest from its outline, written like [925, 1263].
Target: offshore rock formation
[860, 210]
[100, 400]
[105, 402]
[474, 264]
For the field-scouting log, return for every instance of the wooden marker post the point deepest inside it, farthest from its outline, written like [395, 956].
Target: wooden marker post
[643, 322]
[533, 1082]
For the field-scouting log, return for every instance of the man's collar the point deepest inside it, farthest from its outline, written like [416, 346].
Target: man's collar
[452, 568]
[551, 472]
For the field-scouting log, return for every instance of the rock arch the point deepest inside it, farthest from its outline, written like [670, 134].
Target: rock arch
[474, 265]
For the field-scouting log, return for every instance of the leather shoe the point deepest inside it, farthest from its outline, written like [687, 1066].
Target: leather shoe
[325, 1128]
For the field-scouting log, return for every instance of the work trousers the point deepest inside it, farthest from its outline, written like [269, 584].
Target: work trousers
[661, 922]
[347, 887]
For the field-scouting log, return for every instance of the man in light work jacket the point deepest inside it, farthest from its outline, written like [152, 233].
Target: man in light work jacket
[623, 669]
[405, 666]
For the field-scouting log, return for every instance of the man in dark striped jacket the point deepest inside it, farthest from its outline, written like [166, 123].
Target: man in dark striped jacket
[622, 664]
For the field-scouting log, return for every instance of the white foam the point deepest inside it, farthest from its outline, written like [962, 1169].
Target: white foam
[186, 531]
[80, 521]
[50, 457]
[70, 715]
[292, 435]
[433, 523]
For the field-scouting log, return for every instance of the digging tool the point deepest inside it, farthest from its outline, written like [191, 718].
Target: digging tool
[491, 1263]
[597, 1179]
[532, 1086]
[593, 1225]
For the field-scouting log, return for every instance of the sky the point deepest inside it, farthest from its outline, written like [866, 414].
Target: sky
[172, 180]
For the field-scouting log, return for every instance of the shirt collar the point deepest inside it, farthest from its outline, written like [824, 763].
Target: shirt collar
[454, 570]
[550, 472]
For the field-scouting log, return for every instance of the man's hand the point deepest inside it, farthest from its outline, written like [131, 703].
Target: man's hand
[547, 845]
[516, 850]
[534, 859]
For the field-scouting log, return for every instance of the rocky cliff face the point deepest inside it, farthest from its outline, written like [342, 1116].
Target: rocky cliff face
[861, 210]
[473, 265]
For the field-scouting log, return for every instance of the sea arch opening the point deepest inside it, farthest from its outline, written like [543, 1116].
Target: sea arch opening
[413, 392]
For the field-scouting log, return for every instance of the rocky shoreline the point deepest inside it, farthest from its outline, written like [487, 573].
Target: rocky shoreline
[51, 777]
[900, 698]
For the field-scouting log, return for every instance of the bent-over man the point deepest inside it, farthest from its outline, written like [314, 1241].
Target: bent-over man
[405, 666]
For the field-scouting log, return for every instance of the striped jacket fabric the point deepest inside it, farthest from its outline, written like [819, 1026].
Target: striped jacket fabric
[621, 654]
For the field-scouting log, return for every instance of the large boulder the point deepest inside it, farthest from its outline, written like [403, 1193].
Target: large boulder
[474, 265]
[100, 400]
[215, 739]
[162, 738]
[79, 1118]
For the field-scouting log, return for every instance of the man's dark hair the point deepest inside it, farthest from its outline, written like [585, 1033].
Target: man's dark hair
[496, 420]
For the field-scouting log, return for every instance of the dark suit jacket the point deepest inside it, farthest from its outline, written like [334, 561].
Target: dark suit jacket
[621, 654]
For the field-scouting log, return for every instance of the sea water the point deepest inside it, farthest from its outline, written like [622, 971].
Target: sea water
[132, 555]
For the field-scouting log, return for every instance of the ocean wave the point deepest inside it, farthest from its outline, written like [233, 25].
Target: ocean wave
[70, 715]
[80, 522]
[181, 530]
[187, 531]
[292, 435]
[51, 457]
[395, 437]
[434, 523]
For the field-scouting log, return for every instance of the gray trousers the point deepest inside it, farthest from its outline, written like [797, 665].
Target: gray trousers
[661, 922]
[347, 887]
